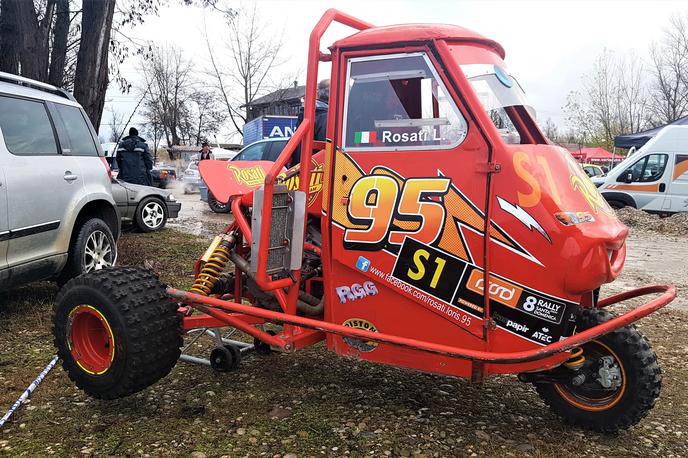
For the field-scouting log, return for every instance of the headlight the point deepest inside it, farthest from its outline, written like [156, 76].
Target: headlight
[170, 197]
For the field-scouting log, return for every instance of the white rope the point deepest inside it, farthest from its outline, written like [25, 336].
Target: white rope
[28, 391]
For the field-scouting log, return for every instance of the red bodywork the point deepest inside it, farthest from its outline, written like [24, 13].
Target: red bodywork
[552, 240]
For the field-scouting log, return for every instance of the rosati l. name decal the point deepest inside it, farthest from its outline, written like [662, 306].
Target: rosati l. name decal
[533, 315]
[315, 185]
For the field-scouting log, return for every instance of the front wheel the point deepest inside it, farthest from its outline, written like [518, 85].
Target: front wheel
[622, 380]
[216, 206]
[116, 331]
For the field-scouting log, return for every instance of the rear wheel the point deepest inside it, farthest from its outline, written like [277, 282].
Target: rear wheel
[216, 206]
[622, 382]
[93, 248]
[116, 331]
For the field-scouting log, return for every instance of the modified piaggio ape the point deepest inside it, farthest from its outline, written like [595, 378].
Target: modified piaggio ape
[435, 185]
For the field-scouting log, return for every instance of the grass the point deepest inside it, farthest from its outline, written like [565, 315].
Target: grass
[310, 403]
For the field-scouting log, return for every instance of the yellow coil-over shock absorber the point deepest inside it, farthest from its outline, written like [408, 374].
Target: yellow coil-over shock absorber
[214, 261]
[576, 360]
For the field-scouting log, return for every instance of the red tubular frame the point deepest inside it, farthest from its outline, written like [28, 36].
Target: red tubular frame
[205, 303]
[303, 135]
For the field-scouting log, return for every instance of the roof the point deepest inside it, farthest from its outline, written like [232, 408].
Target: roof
[638, 139]
[406, 33]
[280, 95]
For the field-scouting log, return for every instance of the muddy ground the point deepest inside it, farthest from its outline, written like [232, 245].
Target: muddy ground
[314, 404]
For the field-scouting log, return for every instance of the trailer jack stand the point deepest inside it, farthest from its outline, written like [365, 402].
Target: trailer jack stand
[226, 355]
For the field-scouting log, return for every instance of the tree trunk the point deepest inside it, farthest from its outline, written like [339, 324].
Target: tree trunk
[9, 36]
[91, 77]
[58, 56]
[34, 39]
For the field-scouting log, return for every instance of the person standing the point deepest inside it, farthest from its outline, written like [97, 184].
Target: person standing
[320, 122]
[134, 159]
[205, 152]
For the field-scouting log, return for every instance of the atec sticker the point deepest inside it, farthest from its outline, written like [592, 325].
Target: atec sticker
[355, 291]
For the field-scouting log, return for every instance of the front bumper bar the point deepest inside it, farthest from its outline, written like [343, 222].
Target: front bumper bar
[211, 305]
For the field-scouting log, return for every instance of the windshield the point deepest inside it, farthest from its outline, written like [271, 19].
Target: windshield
[502, 97]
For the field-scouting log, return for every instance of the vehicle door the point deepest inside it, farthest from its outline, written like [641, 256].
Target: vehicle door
[645, 181]
[677, 197]
[4, 222]
[42, 182]
[406, 198]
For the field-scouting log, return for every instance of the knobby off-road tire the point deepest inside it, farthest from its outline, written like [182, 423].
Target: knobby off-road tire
[641, 384]
[216, 206]
[116, 331]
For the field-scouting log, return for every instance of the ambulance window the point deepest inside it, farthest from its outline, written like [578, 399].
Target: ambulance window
[681, 168]
[398, 102]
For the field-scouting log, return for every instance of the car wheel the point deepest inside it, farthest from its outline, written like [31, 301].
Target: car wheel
[93, 248]
[218, 207]
[151, 214]
[616, 204]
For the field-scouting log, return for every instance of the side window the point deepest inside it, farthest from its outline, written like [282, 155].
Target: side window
[253, 152]
[681, 168]
[398, 102]
[26, 127]
[80, 140]
[648, 169]
[275, 150]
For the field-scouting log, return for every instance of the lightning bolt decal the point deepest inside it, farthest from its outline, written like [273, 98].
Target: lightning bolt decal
[523, 216]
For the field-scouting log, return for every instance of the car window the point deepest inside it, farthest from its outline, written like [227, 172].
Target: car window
[80, 142]
[648, 169]
[275, 150]
[253, 152]
[398, 102]
[26, 127]
[681, 168]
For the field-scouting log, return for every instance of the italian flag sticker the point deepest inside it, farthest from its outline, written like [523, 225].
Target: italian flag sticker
[365, 137]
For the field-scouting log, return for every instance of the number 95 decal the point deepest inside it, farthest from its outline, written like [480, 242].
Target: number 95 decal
[389, 215]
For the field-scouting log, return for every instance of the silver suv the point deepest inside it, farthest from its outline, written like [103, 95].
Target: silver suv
[57, 215]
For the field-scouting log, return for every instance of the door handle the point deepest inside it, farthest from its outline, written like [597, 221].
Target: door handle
[69, 176]
[662, 187]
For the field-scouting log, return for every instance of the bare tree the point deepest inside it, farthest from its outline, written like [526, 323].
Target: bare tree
[244, 68]
[613, 101]
[670, 68]
[168, 90]
[550, 130]
[116, 123]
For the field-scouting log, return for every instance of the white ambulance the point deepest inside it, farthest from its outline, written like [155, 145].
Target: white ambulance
[655, 178]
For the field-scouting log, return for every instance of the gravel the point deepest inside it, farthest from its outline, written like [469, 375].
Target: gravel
[313, 403]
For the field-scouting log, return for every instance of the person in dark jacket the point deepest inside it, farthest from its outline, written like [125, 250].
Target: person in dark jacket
[320, 127]
[205, 152]
[134, 160]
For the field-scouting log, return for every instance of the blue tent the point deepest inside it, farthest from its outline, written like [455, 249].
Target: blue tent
[638, 139]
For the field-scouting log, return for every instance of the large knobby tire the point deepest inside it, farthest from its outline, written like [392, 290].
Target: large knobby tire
[93, 248]
[151, 214]
[620, 408]
[116, 331]
[216, 206]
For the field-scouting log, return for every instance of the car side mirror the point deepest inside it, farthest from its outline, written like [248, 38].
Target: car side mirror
[629, 176]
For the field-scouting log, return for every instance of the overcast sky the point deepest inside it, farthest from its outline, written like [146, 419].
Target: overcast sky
[549, 44]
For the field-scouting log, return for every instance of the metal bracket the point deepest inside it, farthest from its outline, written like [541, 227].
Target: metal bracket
[489, 167]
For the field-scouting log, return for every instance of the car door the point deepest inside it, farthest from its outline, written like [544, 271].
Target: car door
[645, 180]
[4, 222]
[677, 198]
[404, 179]
[41, 183]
